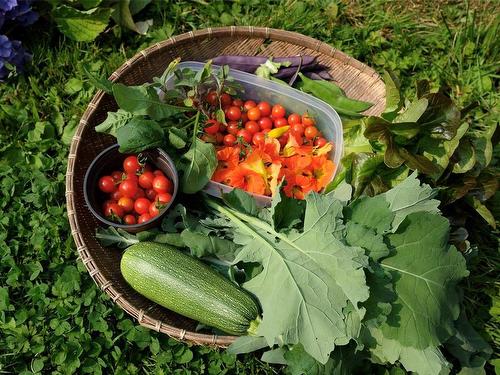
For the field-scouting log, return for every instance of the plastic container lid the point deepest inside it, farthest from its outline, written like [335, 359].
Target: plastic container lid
[260, 89]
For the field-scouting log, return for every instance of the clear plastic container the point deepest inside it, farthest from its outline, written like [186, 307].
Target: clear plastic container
[259, 89]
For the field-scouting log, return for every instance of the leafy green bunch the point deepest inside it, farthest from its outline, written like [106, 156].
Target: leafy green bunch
[169, 113]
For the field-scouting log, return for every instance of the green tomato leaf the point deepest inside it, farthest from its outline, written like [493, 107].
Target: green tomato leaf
[138, 135]
[198, 165]
[82, 26]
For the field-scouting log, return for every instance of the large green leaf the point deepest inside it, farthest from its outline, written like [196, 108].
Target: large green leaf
[114, 121]
[392, 94]
[198, 165]
[82, 26]
[442, 117]
[304, 272]
[138, 135]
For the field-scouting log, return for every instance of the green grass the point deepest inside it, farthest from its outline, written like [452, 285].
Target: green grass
[52, 316]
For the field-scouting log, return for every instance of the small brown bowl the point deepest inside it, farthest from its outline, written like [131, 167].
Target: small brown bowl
[111, 160]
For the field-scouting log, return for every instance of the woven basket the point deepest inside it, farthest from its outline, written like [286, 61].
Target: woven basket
[358, 80]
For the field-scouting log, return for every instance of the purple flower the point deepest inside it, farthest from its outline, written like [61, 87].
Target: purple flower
[22, 13]
[12, 53]
[7, 5]
[5, 47]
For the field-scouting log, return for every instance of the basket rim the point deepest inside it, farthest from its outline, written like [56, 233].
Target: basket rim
[106, 285]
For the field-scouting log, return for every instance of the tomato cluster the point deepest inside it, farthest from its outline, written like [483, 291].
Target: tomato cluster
[249, 123]
[135, 195]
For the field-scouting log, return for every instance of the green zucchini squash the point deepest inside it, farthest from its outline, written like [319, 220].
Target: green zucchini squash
[187, 286]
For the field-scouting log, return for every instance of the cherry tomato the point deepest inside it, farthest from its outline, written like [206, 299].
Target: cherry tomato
[298, 139]
[106, 204]
[225, 100]
[107, 184]
[212, 128]
[162, 184]
[233, 127]
[265, 123]
[265, 109]
[146, 180]
[252, 127]
[237, 103]
[129, 220]
[249, 104]
[212, 99]
[150, 194]
[140, 193]
[113, 210]
[126, 203]
[254, 114]
[117, 176]
[244, 117]
[143, 218]
[163, 198]
[115, 195]
[153, 209]
[158, 173]
[258, 138]
[278, 111]
[229, 140]
[320, 142]
[245, 135]
[311, 132]
[279, 122]
[283, 140]
[131, 164]
[128, 188]
[297, 130]
[233, 113]
[141, 205]
[294, 118]
[307, 120]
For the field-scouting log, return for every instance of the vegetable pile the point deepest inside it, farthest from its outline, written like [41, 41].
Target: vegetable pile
[363, 273]
[137, 194]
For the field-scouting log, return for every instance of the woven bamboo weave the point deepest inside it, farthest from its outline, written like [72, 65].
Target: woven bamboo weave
[358, 81]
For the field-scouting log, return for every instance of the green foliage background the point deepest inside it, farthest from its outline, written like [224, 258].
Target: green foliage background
[53, 319]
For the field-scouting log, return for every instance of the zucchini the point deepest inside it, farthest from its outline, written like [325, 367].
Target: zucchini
[187, 286]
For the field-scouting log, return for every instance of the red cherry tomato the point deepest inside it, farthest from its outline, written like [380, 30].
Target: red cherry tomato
[233, 127]
[297, 130]
[225, 100]
[294, 118]
[115, 195]
[163, 198]
[229, 140]
[249, 104]
[278, 111]
[265, 123]
[233, 113]
[311, 132]
[106, 204]
[143, 218]
[146, 180]
[117, 176]
[150, 194]
[252, 127]
[307, 120]
[158, 173]
[265, 109]
[211, 98]
[244, 117]
[283, 140]
[279, 122]
[258, 138]
[140, 193]
[131, 164]
[141, 205]
[128, 188]
[153, 209]
[126, 203]
[129, 220]
[113, 211]
[320, 142]
[212, 127]
[237, 103]
[245, 135]
[254, 114]
[162, 184]
[298, 139]
[107, 184]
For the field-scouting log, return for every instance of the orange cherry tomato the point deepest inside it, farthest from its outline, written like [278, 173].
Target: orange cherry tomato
[278, 111]
[254, 114]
